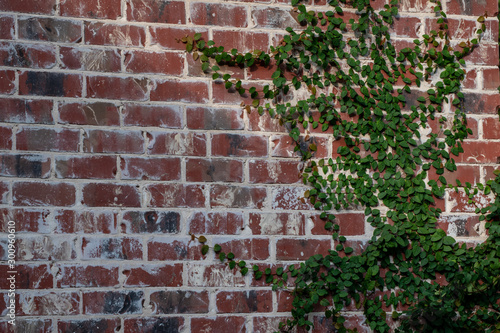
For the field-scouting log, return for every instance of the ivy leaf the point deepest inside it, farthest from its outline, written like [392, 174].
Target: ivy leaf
[204, 249]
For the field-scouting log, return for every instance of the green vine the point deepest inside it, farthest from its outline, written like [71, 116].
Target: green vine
[377, 101]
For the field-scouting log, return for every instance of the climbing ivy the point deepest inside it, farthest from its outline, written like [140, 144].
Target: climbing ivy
[397, 114]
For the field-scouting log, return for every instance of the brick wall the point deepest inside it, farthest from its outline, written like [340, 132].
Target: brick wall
[114, 146]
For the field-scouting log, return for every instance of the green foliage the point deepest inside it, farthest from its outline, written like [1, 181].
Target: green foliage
[371, 97]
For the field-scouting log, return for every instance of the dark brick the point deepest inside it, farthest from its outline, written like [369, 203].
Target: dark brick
[113, 302]
[151, 222]
[154, 324]
[50, 84]
[89, 325]
[25, 166]
[50, 29]
[180, 301]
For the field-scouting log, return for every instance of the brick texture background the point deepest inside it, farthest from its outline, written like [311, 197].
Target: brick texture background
[114, 146]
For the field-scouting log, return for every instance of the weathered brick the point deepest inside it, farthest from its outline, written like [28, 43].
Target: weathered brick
[43, 194]
[489, 172]
[156, 11]
[239, 145]
[176, 195]
[103, 141]
[112, 302]
[153, 275]
[355, 322]
[45, 248]
[274, 172]
[28, 276]
[491, 128]
[154, 324]
[244, 41]
[50, 30]
[90, 59]
[173, 248]
[185, 144]
[49, 304]
[351, 224]
[27, 220]
[180, 91]
[168, 63]
[277, 223]
[480, 152]
[5, 138]
[124, 248]
[244, 301]
[32, 56]
[150, 168]
[218, 14]
[152, 115]
[194, 68]
[301, 249]
[484, 54]
[216, 223]
[287, 197]
[464, 173]
[7, 82]
[96, 9]
[7, 27]
[111, 195]
[4, 193]
[151, 222]
[237, 196]
[214, 118]
[88, 167]
[85, 221]
[50, 84]
[407, 26]
[218, 324]
[481, 103]
[284, 145]
[179, 301]
[26, 111]
[268, 324]
[27, 325]
[29, 6]
[221, 95]
[97, 33]
[213, 170]
[169, 37]
[48, 139]
[24, 166]
[246, 249]
[471, 8]
[459, 202]
[461, 226]
[98, 113]
[273, 18]
[124, 88]
[77, 276]
[491, 78]
[103, 325]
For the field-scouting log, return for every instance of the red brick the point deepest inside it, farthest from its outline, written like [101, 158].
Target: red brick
[264, 123]
[109, 9]
[50, 84]
[97, 33]
[301, 249]
[472, 8]
[123, 248]
[351, 224]
[43, 194]
[156, 11]
[213, 170]
[98, 113]
[29, 6]
[151, 222]
[283, 146]
[269, 324]
[481, 103]
[180, 91]
[179, 301]
[480, 152]
[152, 324]
[24, 166]
[355, 322]
[84, 221]
[458, 29]
[27, 220]
[273, 18]
[185, 144]
[169, 37]
[489, 172]
[124, 88]
[103, 141]
[108, 325]
[26, 111]
[176, 195]
[46, 248]
[484, 54]
[27, 325]
[6, 27]
[30, 276]
[407, 27]
[239, 145]
[150, 168]
[290, 198]
[277, 223]
[32, 56]
[195, 69]
[50, 30]
[214, 118]
[491, 78]
[244, 41]
[5, 138]
[111, 195]
[219, 14]
[285, 300]
[168, 249]
[274, 172]
[221, 95]
[216, 223]
[460, 201]
[237, 196]
[247, 249]
[113, 302]
[438, 127]
[152, 115]
[168, 63]
[88, 167]
[464, 173]
[7, 82]
[49, 304]
[460, 226]
[153, 275]
[218, 324]
[244, 301]
[257, 72]
[77, 276]
[89, 59]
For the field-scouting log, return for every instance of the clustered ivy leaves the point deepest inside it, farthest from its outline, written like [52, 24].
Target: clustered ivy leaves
[378, 101]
